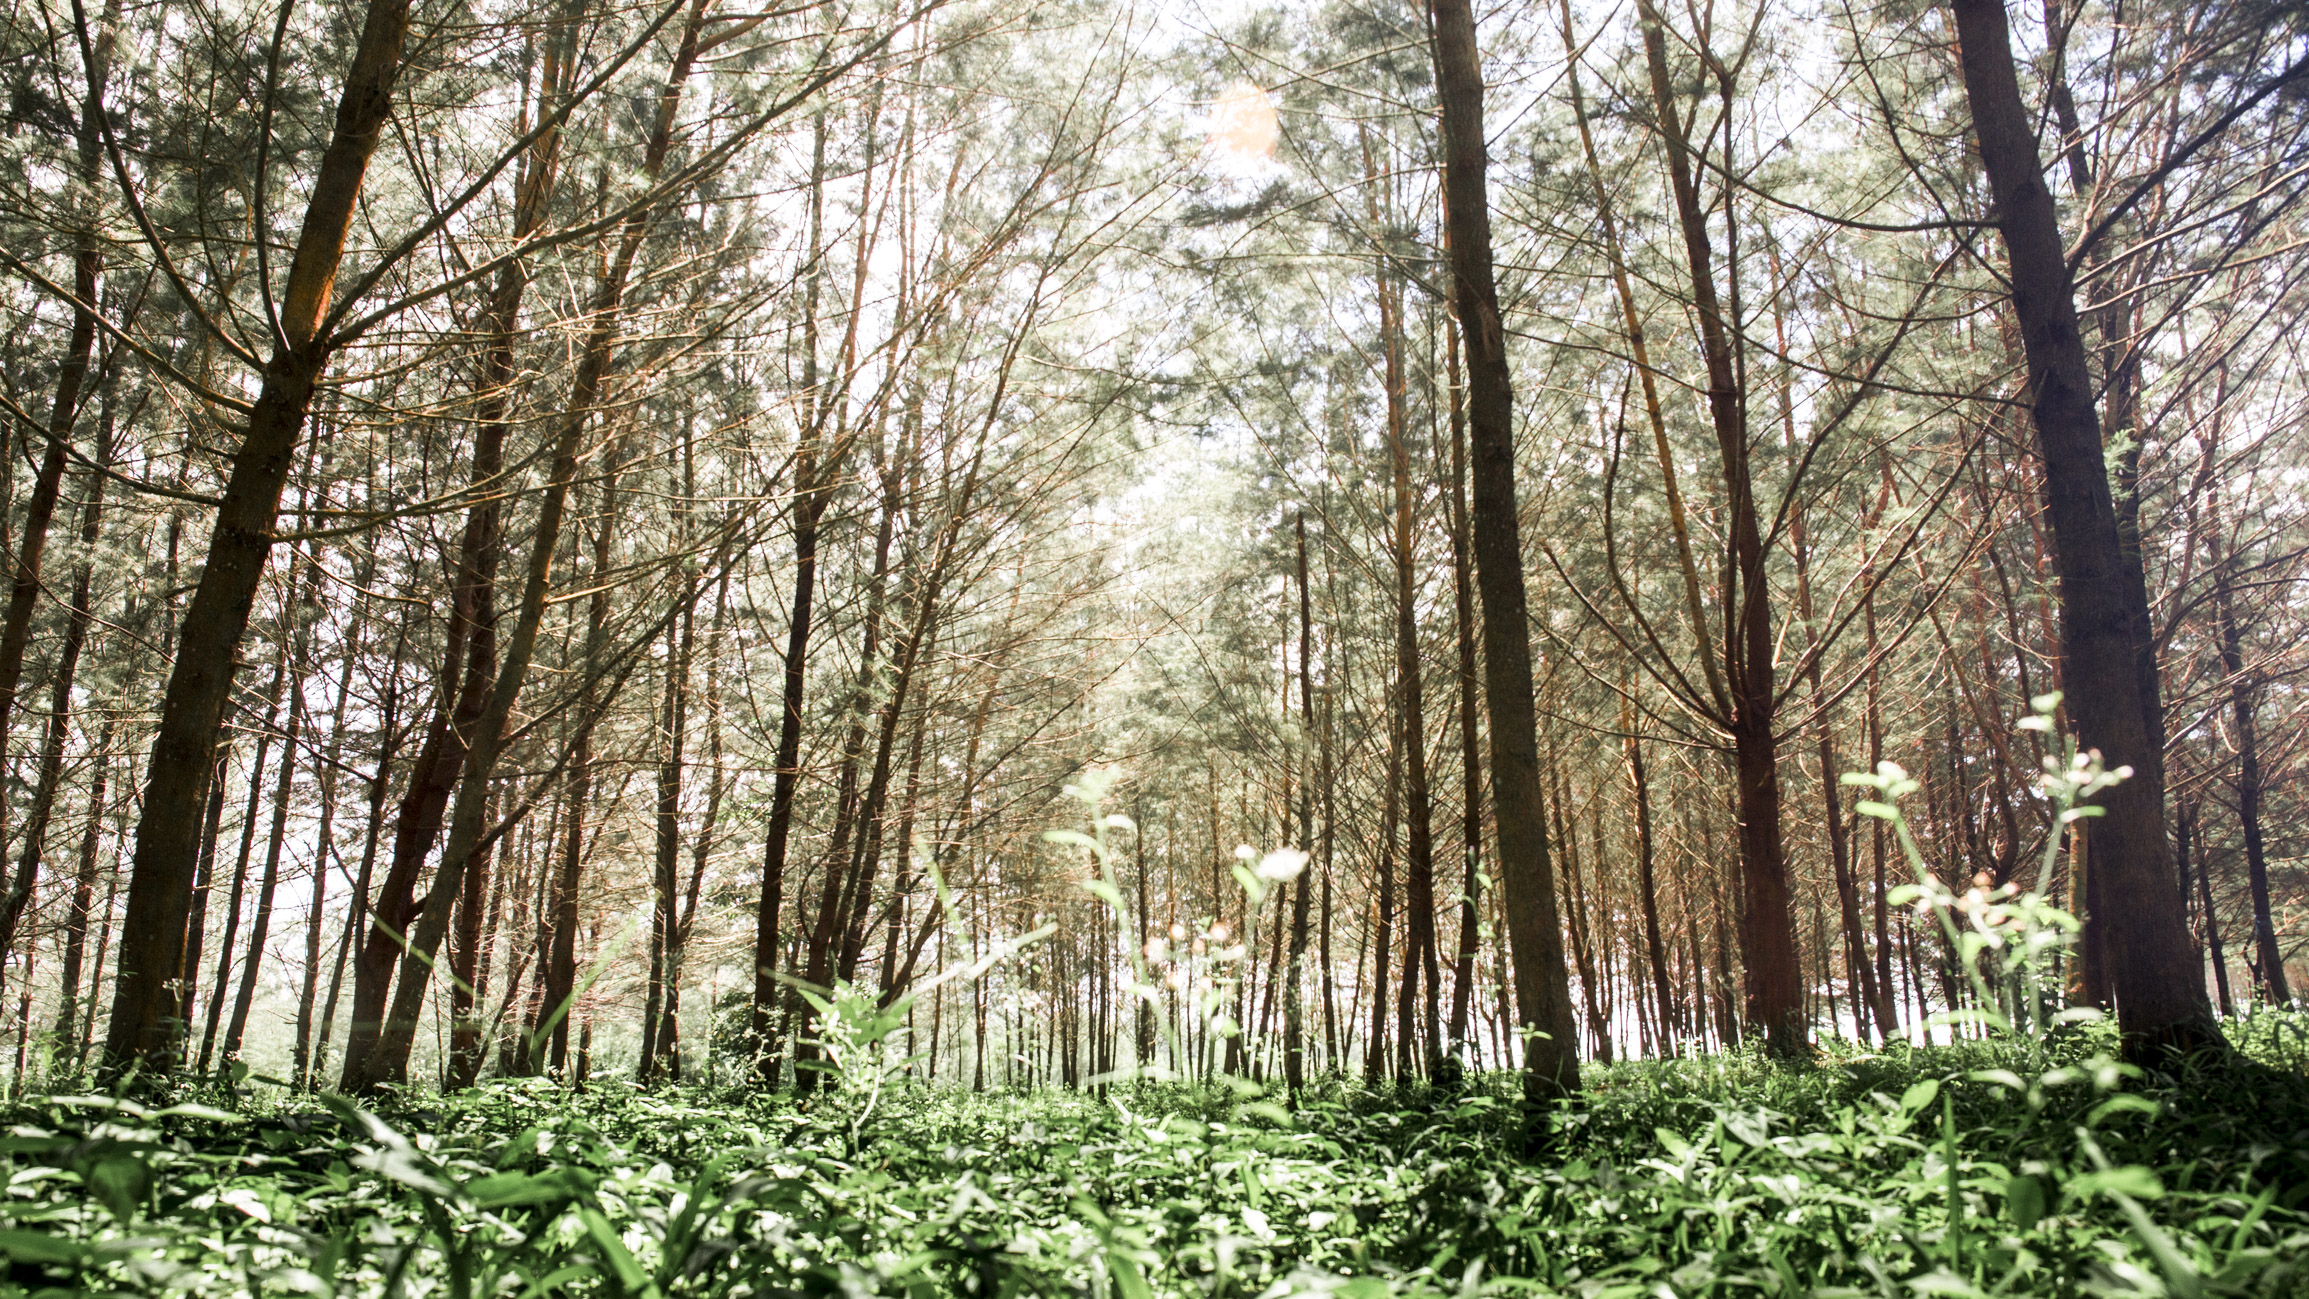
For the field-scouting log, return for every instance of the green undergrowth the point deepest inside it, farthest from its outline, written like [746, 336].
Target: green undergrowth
[1725, 1175]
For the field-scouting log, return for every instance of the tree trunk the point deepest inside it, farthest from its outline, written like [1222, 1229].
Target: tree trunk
[80, 909]
[1470, 759]
[469, 652]
[1542, 987]
[2269, 958]
[78, 617]
[232, 909]
[71, 377]
[389, 1060]
[1639, 785]
[1419, 955]
[2159, 988]
[260, 925]
[145, 1008]
[1775, 983]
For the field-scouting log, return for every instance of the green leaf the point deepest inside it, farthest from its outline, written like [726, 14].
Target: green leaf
[613, 1250]
[2130, 1180]
[1074, 838]
[40, 1247]
[120, 1182]
[1919, 1095]
[2024, 1203]
[189, 1110]
[505, 1190]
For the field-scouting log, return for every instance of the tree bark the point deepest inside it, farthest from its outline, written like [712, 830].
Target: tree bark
[388, 1061]
[1470, 757]
[145, 1009]
[1543, 990]
[469, 649]
[71, 377]
[1775, 984]
[2159, 987]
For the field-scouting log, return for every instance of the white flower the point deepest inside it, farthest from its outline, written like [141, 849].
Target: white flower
[1282, 864]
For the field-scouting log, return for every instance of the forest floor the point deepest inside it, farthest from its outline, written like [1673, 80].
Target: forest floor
[1724, 1175]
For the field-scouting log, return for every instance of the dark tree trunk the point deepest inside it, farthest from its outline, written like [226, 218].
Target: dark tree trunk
[71, 377]
[2159, 988]
[260, 924]
[1470, 758]
[2268, 957]
[469, 652]
[1639, 785]
[1543, 990]
[78, 911]
[1419, 955]
[145, 1008]
[78, 617]
[388, 1061]
[1775, 982]
[1302, 896]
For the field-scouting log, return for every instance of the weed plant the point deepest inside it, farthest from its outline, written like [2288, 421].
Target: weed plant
[2026, 1159]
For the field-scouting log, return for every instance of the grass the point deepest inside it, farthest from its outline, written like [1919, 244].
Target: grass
[1987, 1168]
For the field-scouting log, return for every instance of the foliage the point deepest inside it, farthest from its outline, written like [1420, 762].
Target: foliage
[1712, 1175]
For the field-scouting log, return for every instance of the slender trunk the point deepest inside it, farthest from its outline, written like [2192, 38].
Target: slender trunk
[324, 847]
[260, 925]
[665, 940]
[71, 376]
[1775, 983]
[1639, 785]
[388, 1061]
[232, 909]
[1470, 759]
[2269, 958]
[78, 618]
[1542, 987]
[2192, 836]
[1294, 1003]
[357, 903]
[1382, 899]
[1410, 696]
[77, 913]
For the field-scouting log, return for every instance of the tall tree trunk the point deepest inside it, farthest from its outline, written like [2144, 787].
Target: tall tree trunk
[1640, 787]
[2269, 958]
[324, 842]
[79, 910]
[1470, 758]
[1775, 982]
[1302, 896]
[71, 377]
[664, 938]
[260, 924]
[1542, 986]
[1382, 898]
[469, 650]
[2159, 988]
[145, 1009]
[1419, 956]
[388, 1061]
[78, 617]
[232, 907]
[469, 982]
[357, 903]
[2191, 836]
